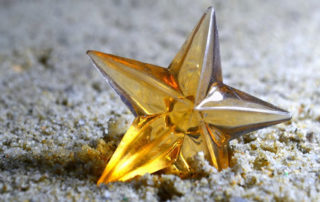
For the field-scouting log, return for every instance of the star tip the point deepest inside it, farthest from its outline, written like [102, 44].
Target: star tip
[288, 116]
[94, 55]
[210, 12]
[101, 182]
[285, 116]
[90, 52]
[210, 9]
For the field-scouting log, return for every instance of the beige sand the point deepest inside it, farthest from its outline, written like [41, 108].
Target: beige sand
[60, 121]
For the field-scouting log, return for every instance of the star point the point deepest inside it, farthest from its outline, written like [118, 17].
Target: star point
[180, 110]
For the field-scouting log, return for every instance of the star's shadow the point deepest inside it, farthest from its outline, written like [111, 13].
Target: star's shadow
[76, 164]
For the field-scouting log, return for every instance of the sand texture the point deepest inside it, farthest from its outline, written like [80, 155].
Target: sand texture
[60, 121]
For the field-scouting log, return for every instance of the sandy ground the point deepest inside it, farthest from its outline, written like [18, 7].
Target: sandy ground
[60, 122]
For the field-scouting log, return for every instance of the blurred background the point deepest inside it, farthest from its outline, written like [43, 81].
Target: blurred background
[55, 109]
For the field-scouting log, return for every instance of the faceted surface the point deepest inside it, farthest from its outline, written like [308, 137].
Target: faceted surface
[180, 110]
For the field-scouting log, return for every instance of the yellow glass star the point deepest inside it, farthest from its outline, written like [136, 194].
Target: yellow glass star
[180, 110]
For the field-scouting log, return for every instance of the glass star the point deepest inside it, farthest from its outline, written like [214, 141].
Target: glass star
[180, 110]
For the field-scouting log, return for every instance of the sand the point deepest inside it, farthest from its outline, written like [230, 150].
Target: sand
[60, 122]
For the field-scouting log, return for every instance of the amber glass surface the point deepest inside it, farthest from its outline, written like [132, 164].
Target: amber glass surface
[180, 110]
